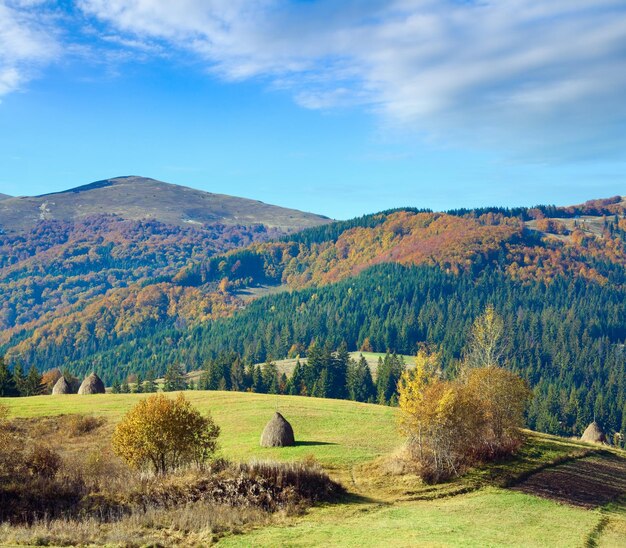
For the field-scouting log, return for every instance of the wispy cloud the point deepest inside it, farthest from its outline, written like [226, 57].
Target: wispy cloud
[480, 71]
[27, 41]
[546, 77]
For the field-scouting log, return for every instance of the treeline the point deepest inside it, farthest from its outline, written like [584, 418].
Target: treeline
[330, 232]
[18, 383]
[600, 207]
[326, 373]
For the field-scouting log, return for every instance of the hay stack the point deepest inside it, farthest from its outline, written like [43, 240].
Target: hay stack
[594, 434]
[61, 387]
[277, 433]
[92, 385]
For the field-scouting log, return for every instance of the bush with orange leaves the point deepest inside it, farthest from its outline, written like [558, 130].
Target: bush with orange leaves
[165, 434]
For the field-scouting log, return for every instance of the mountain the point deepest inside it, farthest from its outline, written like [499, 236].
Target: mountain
[61, 252]
[4, 196]
[391, 281]
[140, 198]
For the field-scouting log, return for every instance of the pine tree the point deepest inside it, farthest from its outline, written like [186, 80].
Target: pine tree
[19, 380]
[150, 385]
[116, 388]
[295, 385]
[270, 377]
[338, 373]
[237, 376]
[32, 385]
[125, 388]
[360, 384]
[257, 380]
[139, 384]
[174, 379]
[7, 383]
[320, 387]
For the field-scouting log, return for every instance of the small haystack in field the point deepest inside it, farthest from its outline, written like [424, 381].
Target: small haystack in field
[594, 434]
[92, 385]
[278, 433]
[62, 387]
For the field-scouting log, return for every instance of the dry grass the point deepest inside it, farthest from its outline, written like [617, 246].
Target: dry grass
[192, 524]
[53, 494]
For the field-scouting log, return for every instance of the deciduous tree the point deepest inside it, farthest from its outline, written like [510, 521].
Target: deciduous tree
[164, 434]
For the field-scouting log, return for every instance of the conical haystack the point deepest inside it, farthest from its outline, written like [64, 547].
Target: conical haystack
[92, 385]
[277, 433]
[594, 433]
[61, 387]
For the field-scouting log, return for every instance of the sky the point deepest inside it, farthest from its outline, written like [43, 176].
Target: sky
[340, 107]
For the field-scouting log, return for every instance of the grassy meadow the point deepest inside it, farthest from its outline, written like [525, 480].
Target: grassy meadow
[357, 443]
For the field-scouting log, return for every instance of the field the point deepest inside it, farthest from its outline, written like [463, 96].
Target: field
[287, 365]
[536, 499]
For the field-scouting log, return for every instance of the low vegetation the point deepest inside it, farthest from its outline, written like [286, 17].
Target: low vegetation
[52, 495]
[356, 444]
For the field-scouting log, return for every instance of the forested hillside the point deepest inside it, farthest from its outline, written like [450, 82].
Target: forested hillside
[384, 282]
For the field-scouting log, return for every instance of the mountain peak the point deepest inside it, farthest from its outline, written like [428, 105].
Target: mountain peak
[141, 198]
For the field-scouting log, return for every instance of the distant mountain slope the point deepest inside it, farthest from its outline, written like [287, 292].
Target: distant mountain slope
[4, 196]
[140, 198]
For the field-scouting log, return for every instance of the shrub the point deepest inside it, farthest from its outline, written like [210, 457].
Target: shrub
[165, 434]
[43, 462]
[79, 425]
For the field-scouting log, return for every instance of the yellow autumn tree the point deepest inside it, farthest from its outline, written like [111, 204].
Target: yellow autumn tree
[502, 397]
[439, 418]
[453, 424]
[486, 342]
[413, 398]
[164, 434]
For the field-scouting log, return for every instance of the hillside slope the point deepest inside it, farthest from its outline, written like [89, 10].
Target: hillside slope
[384, 282]
[533, 499]
[4, 196]
[140, 198]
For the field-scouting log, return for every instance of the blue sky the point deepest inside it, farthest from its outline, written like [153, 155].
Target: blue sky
[341, 107]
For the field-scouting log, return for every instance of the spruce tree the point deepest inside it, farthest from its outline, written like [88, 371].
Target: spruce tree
[32, 385]
[360, 383]
[7, 383]
[295, 385]
[19, 380]
[175, 378]
[150, 385]
[139, 384]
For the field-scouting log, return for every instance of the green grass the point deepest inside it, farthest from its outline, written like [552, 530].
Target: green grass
[337, 433]
[353, 442]
[491, 517]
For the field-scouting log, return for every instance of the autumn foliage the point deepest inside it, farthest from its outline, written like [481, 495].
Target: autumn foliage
[165, 434]
[477, 417]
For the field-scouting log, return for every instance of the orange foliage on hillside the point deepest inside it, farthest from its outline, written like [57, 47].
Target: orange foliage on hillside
[454, 243]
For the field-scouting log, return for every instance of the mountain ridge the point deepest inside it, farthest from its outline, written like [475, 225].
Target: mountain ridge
[138, 198]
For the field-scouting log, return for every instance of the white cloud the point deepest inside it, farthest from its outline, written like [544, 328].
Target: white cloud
[27, 41]
[478, 70]
[519, 72]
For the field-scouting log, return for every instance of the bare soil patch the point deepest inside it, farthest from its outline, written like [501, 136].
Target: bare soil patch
[589, 482]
